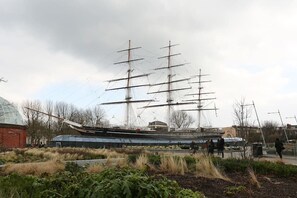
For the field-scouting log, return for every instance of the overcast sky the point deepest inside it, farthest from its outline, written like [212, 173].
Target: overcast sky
[65, 50]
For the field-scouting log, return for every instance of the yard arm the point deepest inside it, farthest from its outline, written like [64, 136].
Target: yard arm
[70, 123]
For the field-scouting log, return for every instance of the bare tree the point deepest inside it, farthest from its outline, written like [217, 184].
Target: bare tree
[242, 117]
[34, 120]
[94, 116]
[99, 115]
[69, 112]
[271, 131]
[181, 119]
[49, 109]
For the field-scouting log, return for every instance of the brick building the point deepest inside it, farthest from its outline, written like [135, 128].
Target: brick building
[12, 128]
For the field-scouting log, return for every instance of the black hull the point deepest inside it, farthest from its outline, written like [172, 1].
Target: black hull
[148, 135]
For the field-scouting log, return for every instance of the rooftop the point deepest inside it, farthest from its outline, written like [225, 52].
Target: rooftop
[9, 114]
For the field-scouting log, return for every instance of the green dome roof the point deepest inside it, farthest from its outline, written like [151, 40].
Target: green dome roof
[9, 113]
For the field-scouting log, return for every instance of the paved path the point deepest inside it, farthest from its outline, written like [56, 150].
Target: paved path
[95, 161]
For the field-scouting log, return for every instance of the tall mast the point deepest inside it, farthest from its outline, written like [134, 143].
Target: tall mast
[200, 99]
[170, 101]
[128, 90]
[128, 98]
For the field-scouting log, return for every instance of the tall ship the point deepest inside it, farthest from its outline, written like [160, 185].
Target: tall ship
[130, 135]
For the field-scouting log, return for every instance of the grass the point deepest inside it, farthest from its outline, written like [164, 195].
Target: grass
[198, 164]
[206, 168]
[95, 168]
[64, 154]
[172, 164]
[37, 168]
[141, 162]
[253, 178]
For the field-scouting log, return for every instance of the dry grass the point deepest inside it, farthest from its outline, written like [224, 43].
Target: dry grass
[8, 156]
[64, 154]
[122, 162]
[110, 162]
[253, 180]
[141, 162]
[173, 164]
[43, 153]
[206, 168]
[95, 168]
[39, 168]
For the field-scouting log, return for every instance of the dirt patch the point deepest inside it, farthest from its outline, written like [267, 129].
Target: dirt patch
[239, 186]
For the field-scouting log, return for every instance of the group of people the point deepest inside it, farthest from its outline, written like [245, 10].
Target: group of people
[220, 146]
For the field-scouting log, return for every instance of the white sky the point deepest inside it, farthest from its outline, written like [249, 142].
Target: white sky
[65, 50]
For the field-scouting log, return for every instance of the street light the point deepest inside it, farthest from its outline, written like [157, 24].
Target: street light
[278, 112]
[260, 127]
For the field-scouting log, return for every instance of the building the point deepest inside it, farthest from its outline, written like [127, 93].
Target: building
[229, 132]
[158, 126]
[12, 128]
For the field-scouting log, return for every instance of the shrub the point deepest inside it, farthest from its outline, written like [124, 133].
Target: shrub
[191, 161]
[154, 159]
[133, 183]
[262, 167]
[73, 168]
[132, 158]
[109, 183]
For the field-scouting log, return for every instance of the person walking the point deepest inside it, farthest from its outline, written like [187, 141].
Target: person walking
[279, 147]
[210, 147]
[221, 146]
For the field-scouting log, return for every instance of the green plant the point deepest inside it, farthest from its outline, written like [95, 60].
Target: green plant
[73, 168]
[262, 167]
[233, 190]
[132, 158]
[133, 183]
[109, 183]
[20, 186]
[189, 194]
[190, 160]
[154, 159]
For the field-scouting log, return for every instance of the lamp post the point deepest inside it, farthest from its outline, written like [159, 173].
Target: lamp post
[278, 112]
[260, 127]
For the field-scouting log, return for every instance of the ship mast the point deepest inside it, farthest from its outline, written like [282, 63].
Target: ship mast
[200, 99]
[170, 101]
[128, 98]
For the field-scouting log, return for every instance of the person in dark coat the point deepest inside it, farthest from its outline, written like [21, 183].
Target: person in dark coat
[211, 147]
[193, 147]
[221, 146]
[279, 147]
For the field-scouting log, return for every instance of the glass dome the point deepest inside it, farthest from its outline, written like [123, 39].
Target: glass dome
[9, 113]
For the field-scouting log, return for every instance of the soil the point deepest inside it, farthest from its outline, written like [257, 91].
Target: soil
[270, 186]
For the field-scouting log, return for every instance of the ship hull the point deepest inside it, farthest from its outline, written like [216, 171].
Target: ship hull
[145, 134]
